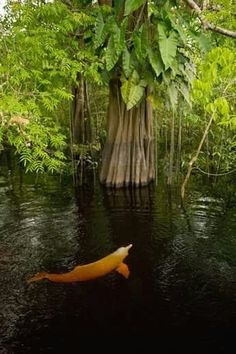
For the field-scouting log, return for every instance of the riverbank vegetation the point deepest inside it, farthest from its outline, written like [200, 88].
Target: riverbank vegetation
[134, 90]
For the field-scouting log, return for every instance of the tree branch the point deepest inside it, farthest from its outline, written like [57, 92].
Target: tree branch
[194, 158]
[207, 25]
[205, 4]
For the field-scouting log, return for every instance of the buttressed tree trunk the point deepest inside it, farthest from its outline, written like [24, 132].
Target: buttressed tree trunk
[128, 155]
[81, 115]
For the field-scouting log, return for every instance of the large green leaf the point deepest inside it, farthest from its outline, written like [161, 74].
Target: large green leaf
[175, 21]
[155, 61]
[100, 31]
[173, 95]
[138, 47]
[116, 43]
[144, 40]
[112, 55]
[168, 46]
[118, 5]
[141, 45]
[132, 5]
[132, 94]
[183, 88]
[132, 90]
[127, 62]
[119, 38]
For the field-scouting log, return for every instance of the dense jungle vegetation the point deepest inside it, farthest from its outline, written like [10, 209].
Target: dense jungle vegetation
[133, 89]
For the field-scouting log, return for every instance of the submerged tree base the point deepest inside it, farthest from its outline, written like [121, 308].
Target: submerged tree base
[126, 165]
[128, 155]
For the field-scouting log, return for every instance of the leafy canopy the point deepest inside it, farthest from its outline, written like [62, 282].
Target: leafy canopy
[145, 43]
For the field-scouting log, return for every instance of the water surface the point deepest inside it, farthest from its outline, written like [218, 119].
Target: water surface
[183, 265]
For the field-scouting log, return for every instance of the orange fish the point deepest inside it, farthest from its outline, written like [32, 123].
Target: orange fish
[113, 261]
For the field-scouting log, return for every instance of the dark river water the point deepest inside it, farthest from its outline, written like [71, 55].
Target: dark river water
[182, 285]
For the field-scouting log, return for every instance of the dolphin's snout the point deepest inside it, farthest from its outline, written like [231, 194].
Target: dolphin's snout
[128, 247]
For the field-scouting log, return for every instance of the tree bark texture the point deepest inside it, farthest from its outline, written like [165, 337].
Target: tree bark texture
[128, 155]
[81, 118]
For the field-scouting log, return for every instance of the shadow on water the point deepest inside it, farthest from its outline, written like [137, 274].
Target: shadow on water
[183, 261]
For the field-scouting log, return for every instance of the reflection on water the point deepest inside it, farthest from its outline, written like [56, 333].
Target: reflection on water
[183, 266]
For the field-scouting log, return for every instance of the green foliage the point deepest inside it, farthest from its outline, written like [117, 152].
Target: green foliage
[116, 43]
[155, 61]
[41, 57]
[167, 45]
[100, 31]
[132, 5]
[132, 90]
[222, 14]
[214, 95]
[87, 153]
[173, 95]
[155, 47]
[40, 148]
[127, 63]
[112, 54]
[215, 82]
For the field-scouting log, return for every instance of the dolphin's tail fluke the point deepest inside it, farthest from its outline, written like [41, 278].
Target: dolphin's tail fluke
[37, 277]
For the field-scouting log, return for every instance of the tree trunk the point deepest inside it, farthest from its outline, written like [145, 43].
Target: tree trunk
[81, 118]
[179, 146]
[172, 150]
[128, 155]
